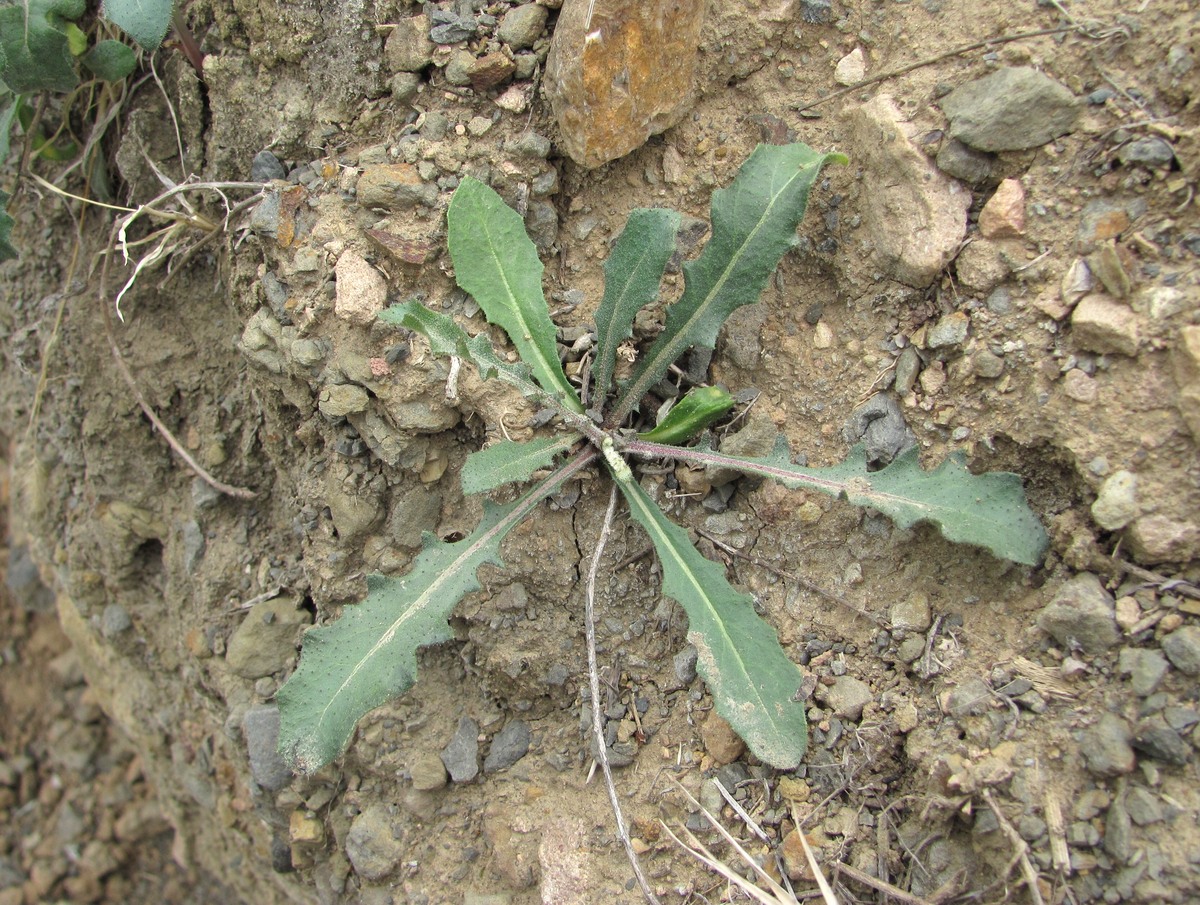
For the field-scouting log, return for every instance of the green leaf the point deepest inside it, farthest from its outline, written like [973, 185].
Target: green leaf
[8, 111]
[146, 21]
[694, 412]
[111, 60]
[495, 261]
[632, 276]
[7, 252]
[34, 53]
[752, 681]
[988, 510]
[754, 222]
[369, 655]
[77, 41]
[508, 461]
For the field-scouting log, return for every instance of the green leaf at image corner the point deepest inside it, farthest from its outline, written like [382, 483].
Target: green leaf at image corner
[752, 681]
[146, 21]
[497, 263]
[110, 60]
[7, 252]
[34, 52]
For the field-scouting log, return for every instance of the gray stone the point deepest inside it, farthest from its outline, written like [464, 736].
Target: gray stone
[1011, 109]
[1155, 738]
[428, 773]
[1116, 501]
[541, 221]
[970, 698]
[447, 27]
[529, 144]
[912, 614]
[816, 12]
[1143, 806]
[461, 756]
[1106, 747]
[756, 439]
[522, 25]
[1145, 668]
[307, 352]
[341, 399]
[1081, 615]
[25, 582]
[458, 70]
[404, 86]
[115, 620]
[911, 648]
[1182, 648]
[879, 424]
[191, 536]
[950, 330]
[509, 746]
[374, 845]
[987, 364]
[260, 730]
[408, 48]
[1118, 831]
[265, 167]
[908, 366]
[847, 697]
[685, 665]
[1150, 152]
[435, 127]
[265, 642]
[971, 166]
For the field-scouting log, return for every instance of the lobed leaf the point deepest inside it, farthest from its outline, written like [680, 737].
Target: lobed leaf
[146, 21]
[34, 52]
[510, 462]
[988, 510]
[369, 655]
[497, 263]
[752, 681]
[632, 276]
[754, 223]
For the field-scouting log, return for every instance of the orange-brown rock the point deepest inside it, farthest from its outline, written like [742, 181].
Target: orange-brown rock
[620, 71]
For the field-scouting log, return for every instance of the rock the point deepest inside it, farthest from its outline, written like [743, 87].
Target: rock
[1081, 614]
[509, 746]
[260, 730]
[522, 25]
[911, 615]
[1106, 748]
[1158, 538]
[394, 187]
[908, 366]
[950, 330]
[1102, 324]
[374, 844]
[265, 167]
[115, 620]
[489, 71]
[987, 364]
[1185, 367]
[1182, 648]
[1116, 501]
[404, 87]
[479, 126]
[341, 399]
[355, 509]
[723, 745]
[969, 698]
[1118, 830]
[1080, 387]
[1148, 152]
[448, 27]
[983, 265]
[971, 166]
[461, 756]
[609, 94]
[428, 773]
[361, 289]
[1153, 737]
[568, 876]
[816, 12]
[265, 642]
[905, 187]
[685, 665]
[1145, 668]
[1011, 109]
[847, 697]
[756, 439]
[1004, 214]
[880, 425]
[851, 69]
[911, 648]
[1104, 219]
[408, 48]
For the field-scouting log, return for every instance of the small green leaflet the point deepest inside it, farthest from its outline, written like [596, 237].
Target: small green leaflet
[146, 21]
[7, 252]
[508, 461]
[697, 410]
[34, 53]
[495, 261]
[754, 223]
[632, 276]
[988, 510]
[369, 655]
[110, 60]
[752, 681]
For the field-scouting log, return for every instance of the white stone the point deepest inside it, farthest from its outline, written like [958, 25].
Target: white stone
[851, 69]
[361, 289]
[1116, 503]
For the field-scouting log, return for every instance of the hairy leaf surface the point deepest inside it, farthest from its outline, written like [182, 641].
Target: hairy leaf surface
[632, 276]
[751, 679]
[110, 60]
[369, 655]
[34, 53]
[146, 21]
[988, 510]
[508, 461]
[495, 261]
[754, 222]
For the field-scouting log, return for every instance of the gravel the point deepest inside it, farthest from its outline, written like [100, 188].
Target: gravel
[1081, 615]
[509, 746]
[461, 756]
[1106, 747]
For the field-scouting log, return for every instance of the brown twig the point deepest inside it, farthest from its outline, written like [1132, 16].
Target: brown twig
[893, 892]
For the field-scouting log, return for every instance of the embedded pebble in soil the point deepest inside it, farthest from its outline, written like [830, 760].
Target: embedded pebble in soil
[1081, 615]
[1106, 746]
[1011, 109]
[461, 756]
